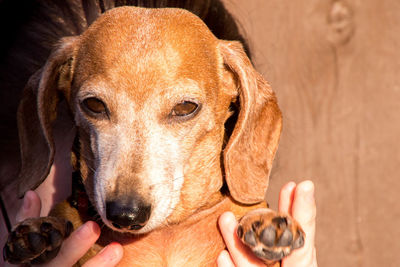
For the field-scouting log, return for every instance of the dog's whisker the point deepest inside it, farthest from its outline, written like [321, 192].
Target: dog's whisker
[89, 161]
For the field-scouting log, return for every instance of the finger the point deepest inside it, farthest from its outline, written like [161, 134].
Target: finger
[286, 197]
[31, 206]
[225, 260]
[107, 257]
[304, 208]
[240, 254]
[304, 211]
[76, 245]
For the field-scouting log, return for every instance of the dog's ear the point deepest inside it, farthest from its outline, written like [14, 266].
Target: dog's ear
[251, 148]
[38, 110]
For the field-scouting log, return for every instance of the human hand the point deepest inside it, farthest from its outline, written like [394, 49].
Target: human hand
[78, 243]
[297, 201]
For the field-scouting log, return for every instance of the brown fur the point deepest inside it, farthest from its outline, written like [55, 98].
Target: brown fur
[31, 28]
[139, 61]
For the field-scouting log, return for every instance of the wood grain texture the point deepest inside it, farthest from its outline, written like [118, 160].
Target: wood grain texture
[335, 66]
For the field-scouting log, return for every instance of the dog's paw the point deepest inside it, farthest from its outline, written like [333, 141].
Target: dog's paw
[36, 240]
[270, 235]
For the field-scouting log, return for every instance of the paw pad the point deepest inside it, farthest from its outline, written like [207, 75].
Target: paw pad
[36, 240]
[270, 235]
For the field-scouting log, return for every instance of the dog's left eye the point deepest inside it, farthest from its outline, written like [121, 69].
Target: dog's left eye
[184, 109]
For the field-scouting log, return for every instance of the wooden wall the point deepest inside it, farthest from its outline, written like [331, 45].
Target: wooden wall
[335, 66]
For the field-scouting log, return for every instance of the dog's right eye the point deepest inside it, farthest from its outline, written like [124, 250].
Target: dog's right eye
[94, 105]
[185, 108]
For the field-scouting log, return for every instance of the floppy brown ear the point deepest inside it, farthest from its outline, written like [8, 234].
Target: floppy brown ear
[250, 151]
[37, 112]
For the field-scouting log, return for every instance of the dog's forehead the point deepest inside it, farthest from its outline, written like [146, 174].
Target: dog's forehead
[142, 48]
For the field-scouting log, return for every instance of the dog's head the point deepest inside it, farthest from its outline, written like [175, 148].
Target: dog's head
[150, 91]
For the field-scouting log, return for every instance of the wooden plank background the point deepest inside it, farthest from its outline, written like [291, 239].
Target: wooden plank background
[335, 66]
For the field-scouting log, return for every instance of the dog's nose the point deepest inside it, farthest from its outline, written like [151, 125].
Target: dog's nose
[131, 215]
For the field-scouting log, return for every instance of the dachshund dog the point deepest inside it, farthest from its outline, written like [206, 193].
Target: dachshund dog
[151, 92]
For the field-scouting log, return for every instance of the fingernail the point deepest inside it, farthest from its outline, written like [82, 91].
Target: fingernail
[309, 192]
[230, 216]
[101, 252]
[223, 258]
[109, 253]
[107, 248]
[86, 230]
[290, 185]
[229, 220]
[311, 197]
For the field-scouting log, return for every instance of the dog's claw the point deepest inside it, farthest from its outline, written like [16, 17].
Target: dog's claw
[36, 240]
[270, 235]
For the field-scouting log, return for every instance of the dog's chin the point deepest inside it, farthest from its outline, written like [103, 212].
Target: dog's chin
[145, 229]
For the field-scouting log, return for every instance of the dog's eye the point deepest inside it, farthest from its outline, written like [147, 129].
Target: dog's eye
[94, 105]
[184, 109]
